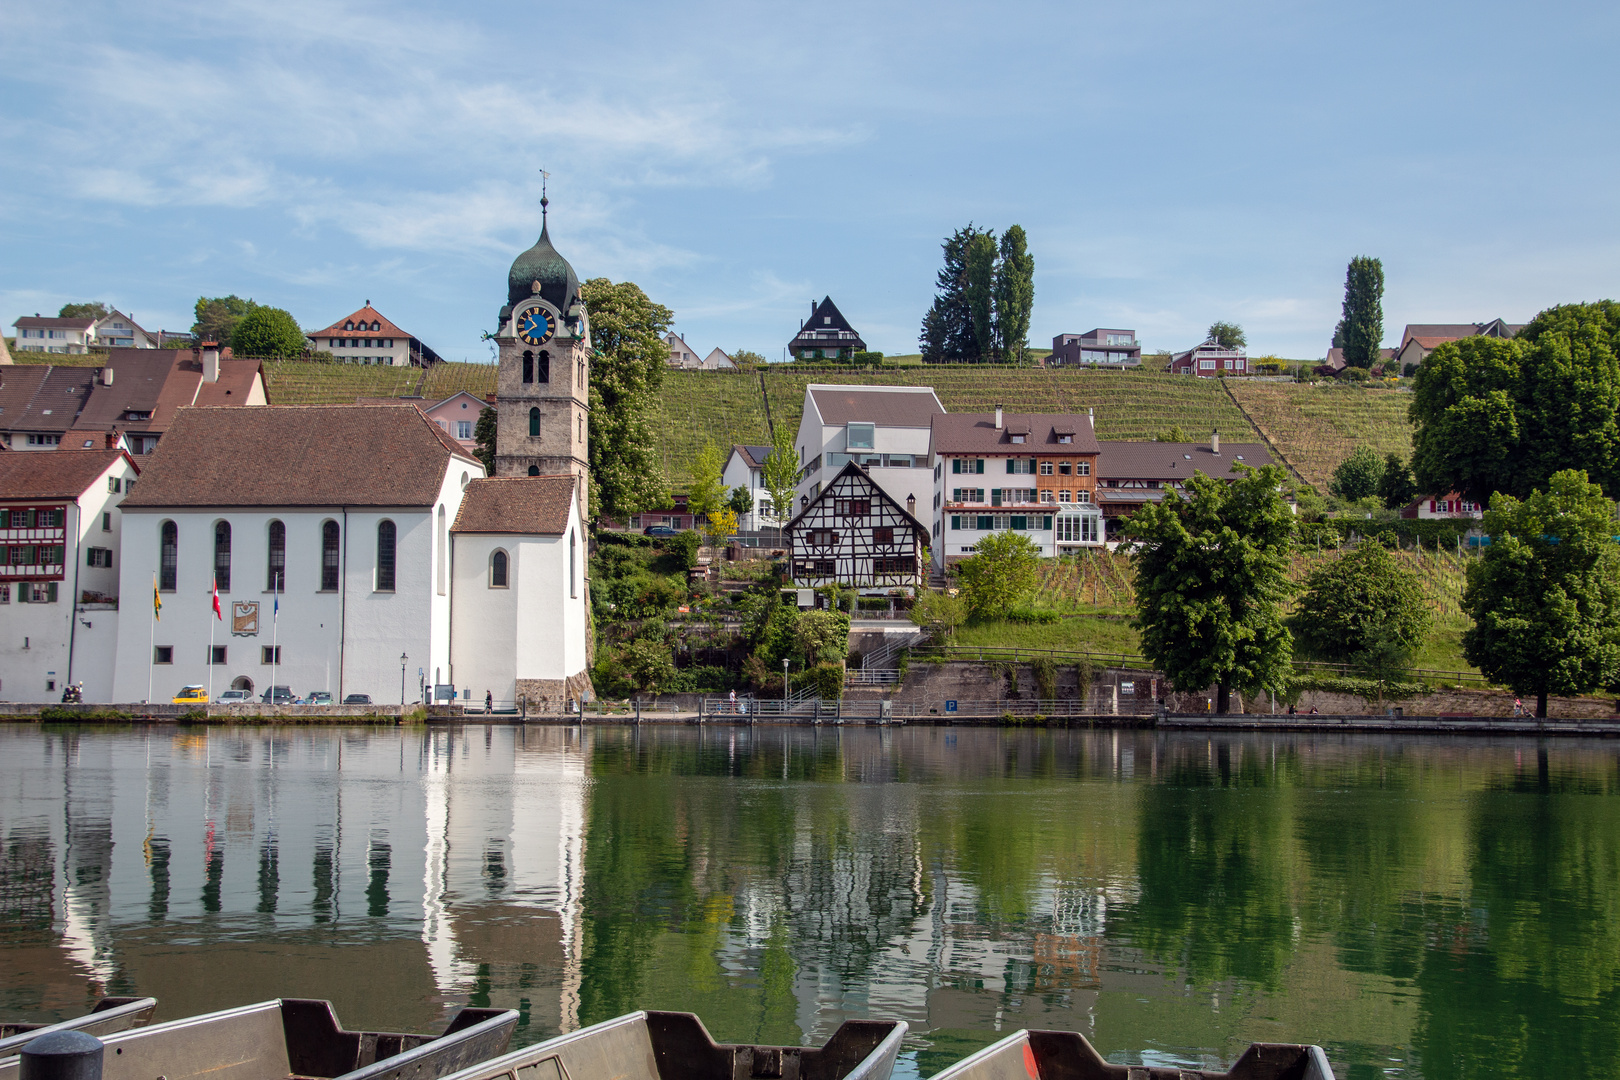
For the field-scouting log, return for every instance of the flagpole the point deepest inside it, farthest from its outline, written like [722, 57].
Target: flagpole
[151, 651]
[215, 612]
[275, 643]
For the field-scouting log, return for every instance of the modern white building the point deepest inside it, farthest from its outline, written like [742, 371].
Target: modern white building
[59, 567]
[745, 467]
[36, 333]
[518, 620]
[327, 531]
[884, 429]
[115, 330]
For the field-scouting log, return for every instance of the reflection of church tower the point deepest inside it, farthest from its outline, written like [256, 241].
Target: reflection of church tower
[543, 398]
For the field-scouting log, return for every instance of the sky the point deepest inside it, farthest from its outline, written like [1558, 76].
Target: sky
[1173, 164]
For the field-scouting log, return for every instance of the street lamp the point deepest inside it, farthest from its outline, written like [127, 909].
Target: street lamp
[402, 659]
[784, 682]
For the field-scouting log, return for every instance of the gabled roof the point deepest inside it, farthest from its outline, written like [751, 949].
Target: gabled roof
[36, 322]
[299, 455]
[1176, 461]
[115, 313]
[43, 398]
[524, 505]
[753, 456]
[826, 319]
[369, 314]
[474, 398]
[160, 382]
[718, 357]
[55, 474]
[852, 469]
[886, 406]
[976, 433]
[1440, 333]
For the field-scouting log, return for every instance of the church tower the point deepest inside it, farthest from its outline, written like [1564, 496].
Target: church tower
[542, 385]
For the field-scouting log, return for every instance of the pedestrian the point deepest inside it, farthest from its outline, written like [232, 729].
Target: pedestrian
[489, 701]
[1313, 710]
[1518, 707]
[734, 701]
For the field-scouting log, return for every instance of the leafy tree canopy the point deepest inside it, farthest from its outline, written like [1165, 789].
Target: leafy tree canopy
[1545, 596]
[93, 309]
[1211, 576]
[747, 360]
[707, 491]
[627, 331]
[268, 331]
[484, 439]
[1361, 330]
[1504, 415]
[1395, 484]
[1358, 604]
[1358, 475]
[1173, 433]
[217, 316]
[1227, 335]
[781, 474]
[1001, 573]
[741, 500]
[985, 294]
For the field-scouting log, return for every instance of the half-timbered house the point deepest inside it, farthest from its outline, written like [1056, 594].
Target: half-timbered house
[853, 534]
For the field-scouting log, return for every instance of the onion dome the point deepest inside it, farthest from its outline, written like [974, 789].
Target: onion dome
[542, 270]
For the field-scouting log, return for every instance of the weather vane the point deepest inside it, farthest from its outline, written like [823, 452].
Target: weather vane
[544, 202]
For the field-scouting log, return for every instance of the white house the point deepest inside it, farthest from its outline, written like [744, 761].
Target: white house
[368, 337]
[518, 620]
[682, 355]
[884, 429]
[35, 333]
[745, 467]
[59, 565]
[115, 330]
[327, 530]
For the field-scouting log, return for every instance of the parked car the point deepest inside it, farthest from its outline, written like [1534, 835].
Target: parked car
[191, 695]
[236, 695]
[357, 699]
[660, 530]
[319, 697]
[278, 695]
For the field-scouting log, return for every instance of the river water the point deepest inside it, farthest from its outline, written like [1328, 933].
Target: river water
[1422, 907]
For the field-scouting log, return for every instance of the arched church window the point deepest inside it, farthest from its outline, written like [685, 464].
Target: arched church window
[497, 570]
[534, 423]
[528, 365]
[544, 372]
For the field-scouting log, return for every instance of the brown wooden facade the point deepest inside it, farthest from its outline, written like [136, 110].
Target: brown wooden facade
[853, 534]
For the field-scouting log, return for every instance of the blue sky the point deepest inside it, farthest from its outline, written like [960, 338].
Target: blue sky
[1172, 163]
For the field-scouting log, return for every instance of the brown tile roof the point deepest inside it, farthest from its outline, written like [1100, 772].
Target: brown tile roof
[53, 474]
[161, 382]
[44, 398]
[528, 505]
[1176, 461]
[1433, 335]
[35, 322]
[890, 406]
[1335, 358]
[369, 314]
[299, 455]
[975, 433]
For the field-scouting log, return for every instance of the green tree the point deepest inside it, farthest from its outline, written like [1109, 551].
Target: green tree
[747, 360]
[1227, 335]
[822, 637]
[1171, 434]
[937, 609]
[781, 475]
[627, 372]
[1357, 475]
[93, 309]
[1362, 327]
[1545, 596]
[268, 331]
[1360, 603]
[1395, 484]
[707, 491]
[648, 664]
[1492, 414]
[741, 500]
[217, 316]
[980, 293]
[484, 439]
[1211, 576]
[1002, 571]
[1015, 295]
[947, 332]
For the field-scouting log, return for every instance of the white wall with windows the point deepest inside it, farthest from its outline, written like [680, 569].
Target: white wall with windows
[738, 473]
[896, 458]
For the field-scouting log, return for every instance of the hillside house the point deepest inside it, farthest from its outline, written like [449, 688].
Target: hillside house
[73, 337]
[1418, 340]
[1133, 474]
[852, 533]
[745, 467]
[1032, 473]
[1335, 364]
[458, 415]
[826, 336]
[115, 330]
[1449, 507]
[368, 337]
[884, 429]
[1208, 359]
[1096, 348]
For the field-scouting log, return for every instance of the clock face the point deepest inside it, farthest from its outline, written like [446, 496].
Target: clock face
[535, 326]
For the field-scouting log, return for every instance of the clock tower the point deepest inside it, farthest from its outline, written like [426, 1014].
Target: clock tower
[542, 384]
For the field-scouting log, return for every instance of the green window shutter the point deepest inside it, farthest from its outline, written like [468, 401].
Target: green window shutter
[978, 465]
[50, 592]
[1046, 522]
[995, 496]
[986, 523]
[956, 522]
[1020, 523]
[956, 494]
[1012, 465]
[956, 467]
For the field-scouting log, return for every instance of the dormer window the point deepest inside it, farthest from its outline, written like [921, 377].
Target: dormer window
[1018, 439]
[375, 325]
[1065, 439]
[349, 325]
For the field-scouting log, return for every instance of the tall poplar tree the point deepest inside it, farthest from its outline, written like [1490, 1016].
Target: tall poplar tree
[947, 333]
[980, 292]
[1362, 328]
[1015, 295]
[627, 372]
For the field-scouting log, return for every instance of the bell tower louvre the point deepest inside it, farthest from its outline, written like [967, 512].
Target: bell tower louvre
[542, 382]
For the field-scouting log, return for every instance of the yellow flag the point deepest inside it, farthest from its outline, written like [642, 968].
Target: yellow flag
[157, 602]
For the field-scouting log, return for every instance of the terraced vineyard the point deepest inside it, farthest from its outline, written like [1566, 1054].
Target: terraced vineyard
[1316, 427]
[448, 378]
[302, 382]
[1130, 405]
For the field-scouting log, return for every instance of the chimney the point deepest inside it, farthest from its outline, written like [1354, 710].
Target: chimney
[998, 417]
[112, 436]
[1215, 441]
[106, 376]
[210, 364]
[1091, 417]
[911, 505]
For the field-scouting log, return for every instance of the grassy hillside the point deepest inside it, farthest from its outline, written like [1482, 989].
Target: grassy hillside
[300, 382]
[1316, 427]
[728, 408]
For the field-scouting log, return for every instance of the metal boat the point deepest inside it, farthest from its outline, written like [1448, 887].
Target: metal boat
[295, 1037]
[676, 1046]
[1066, 1055]
[111, 1015]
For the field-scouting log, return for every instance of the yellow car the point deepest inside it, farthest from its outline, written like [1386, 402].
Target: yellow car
[191, 695]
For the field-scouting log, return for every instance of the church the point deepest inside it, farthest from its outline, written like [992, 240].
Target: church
[358, 549]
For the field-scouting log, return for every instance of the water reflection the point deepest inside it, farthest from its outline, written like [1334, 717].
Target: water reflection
[1423, 908]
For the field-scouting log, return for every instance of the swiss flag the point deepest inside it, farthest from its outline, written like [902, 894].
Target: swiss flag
[218, 614]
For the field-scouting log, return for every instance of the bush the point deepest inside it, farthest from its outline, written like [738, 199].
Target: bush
[268, 332]
[1033, 617]
[683, 548]
[1045, 672]
[828, 679]
[622, 539]
[874, 603]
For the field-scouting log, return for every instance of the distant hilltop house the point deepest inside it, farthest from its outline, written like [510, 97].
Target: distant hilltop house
[77, 336]
[1208, 359]
[682, 355]
[1451, 506]
[1103, 347]
[1418, 340]
[367, 337]
[826, 336]
[1335, 363]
